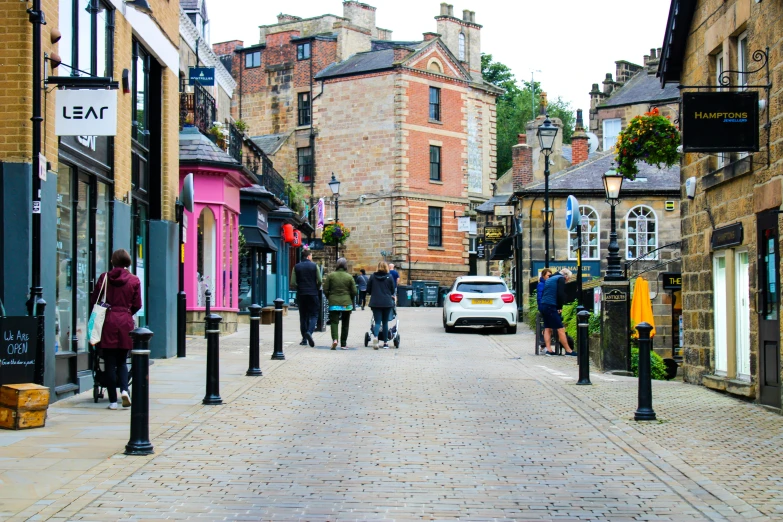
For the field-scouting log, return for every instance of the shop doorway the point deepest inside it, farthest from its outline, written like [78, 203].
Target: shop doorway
[769, 309]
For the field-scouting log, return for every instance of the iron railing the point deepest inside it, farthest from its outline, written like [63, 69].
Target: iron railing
[271, 180]
[200, 105]
[235, 139]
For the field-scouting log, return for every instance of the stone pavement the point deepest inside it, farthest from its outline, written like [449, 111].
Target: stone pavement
[462, 426]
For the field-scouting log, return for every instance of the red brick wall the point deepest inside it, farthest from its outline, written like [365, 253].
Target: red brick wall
[522, 165]
[453, 250]
[579, 149]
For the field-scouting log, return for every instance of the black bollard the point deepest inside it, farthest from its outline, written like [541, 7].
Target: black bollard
[278, 353]
[208, 297]
[255, 318]
[139, 443]
[645, 410]
[583, 343]
[213, 360]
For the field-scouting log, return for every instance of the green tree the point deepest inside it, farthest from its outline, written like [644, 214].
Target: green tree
[517, 106]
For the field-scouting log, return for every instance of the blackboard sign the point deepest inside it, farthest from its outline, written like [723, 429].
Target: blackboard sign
[727, 236]
[18, 349]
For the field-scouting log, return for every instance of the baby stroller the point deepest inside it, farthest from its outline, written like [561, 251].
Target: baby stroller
[394, 330]
[99, 376]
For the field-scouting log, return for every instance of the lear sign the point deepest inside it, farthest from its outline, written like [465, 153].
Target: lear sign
[86, 112]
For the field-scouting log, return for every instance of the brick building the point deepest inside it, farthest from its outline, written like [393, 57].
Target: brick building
[101, 192]
[408, 128]
[731, 227]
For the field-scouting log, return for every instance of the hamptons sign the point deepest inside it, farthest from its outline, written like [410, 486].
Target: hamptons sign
[86, 112]
[720, 122]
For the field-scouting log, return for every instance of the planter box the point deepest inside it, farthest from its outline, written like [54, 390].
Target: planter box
[23, 406]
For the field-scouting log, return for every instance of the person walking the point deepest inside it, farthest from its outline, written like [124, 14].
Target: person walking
[361, 283]
[123, 300]
[340, 290]
[553, 298]
[395, 277]
[381, 290]
[545, 273]
[306, 279]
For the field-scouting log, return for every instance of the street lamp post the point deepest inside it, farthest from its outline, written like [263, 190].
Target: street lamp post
[613, 182]
[334, 185]
[546, 138]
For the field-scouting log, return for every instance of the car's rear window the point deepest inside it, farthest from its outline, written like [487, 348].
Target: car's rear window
[481, 287]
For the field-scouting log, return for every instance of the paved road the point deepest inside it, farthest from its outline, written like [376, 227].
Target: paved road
[451, 426]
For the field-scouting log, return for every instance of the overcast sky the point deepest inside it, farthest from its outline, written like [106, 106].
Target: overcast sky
[574, 43]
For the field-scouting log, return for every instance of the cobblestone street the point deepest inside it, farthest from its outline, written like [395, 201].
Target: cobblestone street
[462, 426]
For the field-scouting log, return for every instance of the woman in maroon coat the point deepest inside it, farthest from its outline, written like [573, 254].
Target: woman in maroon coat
[123, 297]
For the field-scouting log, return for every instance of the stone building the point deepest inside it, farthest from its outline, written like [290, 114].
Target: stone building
[100, 193]
[408, 128]
[635, 91]
[731, 227]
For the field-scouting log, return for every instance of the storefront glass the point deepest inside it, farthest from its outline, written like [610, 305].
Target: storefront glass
[64, 303]
[82, 262]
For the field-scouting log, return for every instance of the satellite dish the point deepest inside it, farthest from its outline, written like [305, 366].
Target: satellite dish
[186, 194]
[592, 142]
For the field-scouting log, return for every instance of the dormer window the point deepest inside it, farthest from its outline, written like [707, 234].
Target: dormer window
[253, 59]
[303, 51]
[462, 47]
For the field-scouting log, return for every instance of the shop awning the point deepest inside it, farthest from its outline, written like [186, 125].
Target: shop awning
[503, 250]
[257, 238]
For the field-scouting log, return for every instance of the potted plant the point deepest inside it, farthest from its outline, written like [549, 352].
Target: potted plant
[216, 130]
[335, 233]
[241, 126]
[651, 138]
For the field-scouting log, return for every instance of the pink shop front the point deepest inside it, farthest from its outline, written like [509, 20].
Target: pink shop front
[212, 247]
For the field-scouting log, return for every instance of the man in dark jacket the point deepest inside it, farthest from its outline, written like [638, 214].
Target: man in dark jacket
[306, 279]
[361, 283]
[553, 298]
[545, 273]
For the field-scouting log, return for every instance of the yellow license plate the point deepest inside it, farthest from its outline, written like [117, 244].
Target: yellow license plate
[481, 301]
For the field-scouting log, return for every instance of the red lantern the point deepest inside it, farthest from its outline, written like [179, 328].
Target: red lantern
[297, 238]
[288, 233]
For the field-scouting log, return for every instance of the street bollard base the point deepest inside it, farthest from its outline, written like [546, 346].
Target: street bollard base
[212, 401]
[644, 415]
[278, 356]
[254, 372]
[139, 449]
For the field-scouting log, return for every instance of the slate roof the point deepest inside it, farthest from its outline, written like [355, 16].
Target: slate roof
[641, 88]
[195, 147]
[360, 63]
[270, 143]
[378, 45]
[488, 207]
[587, 178]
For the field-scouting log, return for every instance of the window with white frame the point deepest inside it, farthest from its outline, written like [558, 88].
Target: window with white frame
[720, 67]
[719, 308]
[611, 130]
[642, 233]
[742, 66]
[462, 46]
[591, 233]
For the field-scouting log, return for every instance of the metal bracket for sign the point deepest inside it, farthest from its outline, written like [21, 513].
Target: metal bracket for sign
[759, 56]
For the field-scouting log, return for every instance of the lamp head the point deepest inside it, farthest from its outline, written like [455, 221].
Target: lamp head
[613, 182]
[334, 185]
[546, 135]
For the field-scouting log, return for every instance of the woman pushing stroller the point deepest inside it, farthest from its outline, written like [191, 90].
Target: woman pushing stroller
[382, 301]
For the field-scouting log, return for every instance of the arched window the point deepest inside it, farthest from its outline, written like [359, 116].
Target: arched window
[462, 47]
[591, 234]
[642, 233]
[206, 260]
[435, 67]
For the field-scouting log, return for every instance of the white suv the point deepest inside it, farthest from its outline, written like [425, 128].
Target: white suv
[479, 302]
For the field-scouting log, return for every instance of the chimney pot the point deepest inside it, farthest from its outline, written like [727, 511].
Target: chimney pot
[652, 53]
[451, 10]
[522, 138]
[473, 16]
[466, 15]
[444, 9]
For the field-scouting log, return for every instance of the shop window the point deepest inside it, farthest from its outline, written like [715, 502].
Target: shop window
[79, 21]
[591, 234]
[64, 286]
[435, 227]
[719, 313]
[642, 230]
[611, 129]
[206, 257]
[434, 104]
[140, 93]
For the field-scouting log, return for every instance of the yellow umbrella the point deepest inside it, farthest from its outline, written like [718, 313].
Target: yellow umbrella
[641, 307]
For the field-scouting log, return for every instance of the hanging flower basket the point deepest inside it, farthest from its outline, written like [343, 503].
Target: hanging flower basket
[651, 138]
[335, 234]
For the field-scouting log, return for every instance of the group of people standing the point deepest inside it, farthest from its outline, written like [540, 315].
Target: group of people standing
[551, 297]
[344, 293]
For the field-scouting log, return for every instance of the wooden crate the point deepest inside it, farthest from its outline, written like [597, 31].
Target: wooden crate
[23, 406]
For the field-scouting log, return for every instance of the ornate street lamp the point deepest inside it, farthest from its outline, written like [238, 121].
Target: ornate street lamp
[613, 182]
[334, 185]
[546, 138]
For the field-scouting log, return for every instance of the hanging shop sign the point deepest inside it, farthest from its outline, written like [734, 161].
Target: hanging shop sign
[494, 234]
[18, 349]
[463, 224]
[480, 248]
[727, 236]
[672, 280]
[203, 75]
[504, 210]
[720, 121]
[86, 112]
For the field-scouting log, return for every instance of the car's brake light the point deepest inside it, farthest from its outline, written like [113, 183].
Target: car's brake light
[455, 298]
[507, 298]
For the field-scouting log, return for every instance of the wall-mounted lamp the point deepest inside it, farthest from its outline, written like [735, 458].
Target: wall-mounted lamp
[54, 60]
[55, 35]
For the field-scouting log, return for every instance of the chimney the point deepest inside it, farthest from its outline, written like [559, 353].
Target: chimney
[466, 15]
[608, 84]
[579, 142]
[444, 9]
[451, 10]
[430, 36]
[522, 163]
[473, 16]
